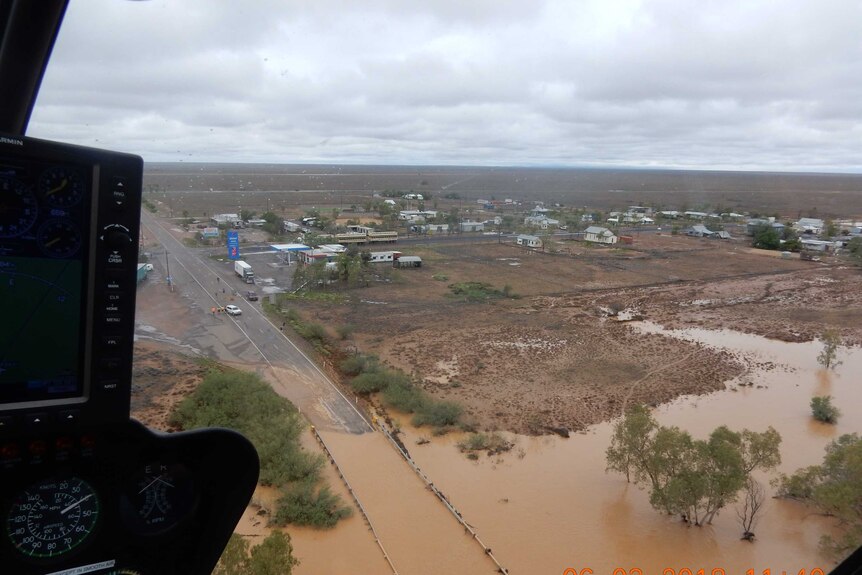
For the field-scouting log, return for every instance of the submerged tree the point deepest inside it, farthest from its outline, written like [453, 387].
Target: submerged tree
[752, 502]
[689, 477]
[827, 357]
[834, 488]
[823, 410]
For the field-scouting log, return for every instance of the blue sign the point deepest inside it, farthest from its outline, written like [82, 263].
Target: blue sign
[232, 245]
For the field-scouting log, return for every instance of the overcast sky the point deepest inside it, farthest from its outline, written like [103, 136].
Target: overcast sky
[723, 84]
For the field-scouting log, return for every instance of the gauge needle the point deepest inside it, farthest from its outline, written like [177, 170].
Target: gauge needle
[52, 242]
[75, 504]
[58, 188]
[157, 479]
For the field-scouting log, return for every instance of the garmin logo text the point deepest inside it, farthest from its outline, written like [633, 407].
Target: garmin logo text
[13, 141]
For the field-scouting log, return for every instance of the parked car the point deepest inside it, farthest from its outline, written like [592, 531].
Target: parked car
[232, 310]
[251, 295]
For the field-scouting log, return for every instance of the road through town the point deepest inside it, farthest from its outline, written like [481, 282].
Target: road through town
[246, 339]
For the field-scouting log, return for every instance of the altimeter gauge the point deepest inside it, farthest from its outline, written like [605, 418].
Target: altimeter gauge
[62, 187]
[52, 517]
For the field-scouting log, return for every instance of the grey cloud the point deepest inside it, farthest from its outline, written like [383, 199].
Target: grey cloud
[674, 83]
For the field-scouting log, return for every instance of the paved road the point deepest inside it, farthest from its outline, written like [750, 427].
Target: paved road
[247, 339]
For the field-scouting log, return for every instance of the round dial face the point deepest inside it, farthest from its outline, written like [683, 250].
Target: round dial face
[52, 517]
[61, 187]
[59, 238]
[18, 209]
[158, 498]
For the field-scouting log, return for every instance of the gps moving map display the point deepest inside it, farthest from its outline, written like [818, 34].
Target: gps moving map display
[44, 218]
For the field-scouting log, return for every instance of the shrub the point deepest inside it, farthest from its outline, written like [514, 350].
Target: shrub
[823, 410]
[244, 402]
[438, 413]
[358, 363]
[404, 396]
[303, 504]
[491, 442]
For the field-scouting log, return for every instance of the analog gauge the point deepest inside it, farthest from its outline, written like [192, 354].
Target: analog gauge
[61, 187]
[158, 498]
[52, 517]
[59, 238]
[18, 209]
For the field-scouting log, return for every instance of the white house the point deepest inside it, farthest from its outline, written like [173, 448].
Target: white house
[529, 241]
[230, 219]
[542, 222]
[600, 235]
[810, 225]
[417, 216]
[384, 256]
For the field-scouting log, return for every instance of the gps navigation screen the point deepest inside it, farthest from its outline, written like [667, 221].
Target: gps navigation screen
[44, 218]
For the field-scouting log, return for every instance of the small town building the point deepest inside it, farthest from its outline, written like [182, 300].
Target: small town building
[752, 225]
[226, 219]
[408, 262]
[528, 241]
[810, 225]
[598, 234]
[377, 257]
[699, 231]
[472, 226]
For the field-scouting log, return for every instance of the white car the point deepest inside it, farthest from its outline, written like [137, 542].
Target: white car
[232, 310]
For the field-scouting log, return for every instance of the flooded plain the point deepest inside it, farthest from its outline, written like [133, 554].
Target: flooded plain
[548, 504]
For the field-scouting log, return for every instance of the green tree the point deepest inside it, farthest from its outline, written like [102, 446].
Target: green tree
[834, 488]
[766, 238]
[274, 556]
[631, 443]
[694, 478]
[234, 558]
[827, 357]
[823, 410]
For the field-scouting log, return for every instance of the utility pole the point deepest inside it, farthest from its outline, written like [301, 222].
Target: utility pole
[168, 268]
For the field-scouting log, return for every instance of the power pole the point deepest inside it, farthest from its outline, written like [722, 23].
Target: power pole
[168, 268]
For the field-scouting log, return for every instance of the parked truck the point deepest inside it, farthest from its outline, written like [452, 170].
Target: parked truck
[244, 271]
[143, 270]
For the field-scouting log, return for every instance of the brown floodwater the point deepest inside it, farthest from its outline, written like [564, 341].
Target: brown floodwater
[548, 505]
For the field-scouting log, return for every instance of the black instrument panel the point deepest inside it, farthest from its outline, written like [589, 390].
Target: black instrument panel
[122, 499]
[69, 219]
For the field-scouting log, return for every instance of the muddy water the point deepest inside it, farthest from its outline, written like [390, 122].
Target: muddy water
[549, 505]
[418, 533]
[349, 548]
